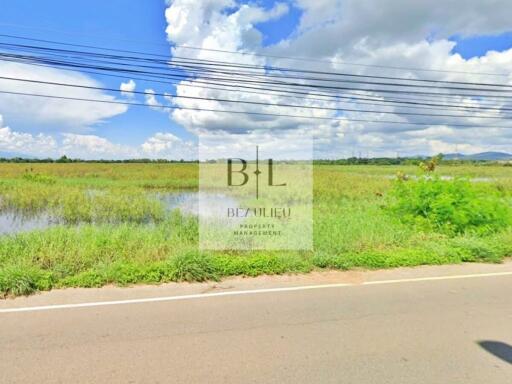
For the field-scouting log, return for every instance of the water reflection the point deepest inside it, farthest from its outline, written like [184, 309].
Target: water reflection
[14, 222]
[186, 202]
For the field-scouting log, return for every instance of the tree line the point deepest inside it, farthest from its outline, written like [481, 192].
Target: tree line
[348, 161]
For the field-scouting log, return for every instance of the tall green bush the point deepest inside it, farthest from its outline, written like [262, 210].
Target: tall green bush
[450, 206]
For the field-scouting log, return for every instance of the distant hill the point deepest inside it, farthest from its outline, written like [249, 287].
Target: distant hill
[489, 156]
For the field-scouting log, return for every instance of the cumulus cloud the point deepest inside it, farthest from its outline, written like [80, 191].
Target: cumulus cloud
[235, 30]
[160, 142]
[349, 31]
[402, 34]
[92, 146]
[167, 145]
[45, 113]
[128, 88]
[278, 144]
[213, 27]
[151, 100]
[373, 23]
[159, 146]
[19, 142]
[162, 145]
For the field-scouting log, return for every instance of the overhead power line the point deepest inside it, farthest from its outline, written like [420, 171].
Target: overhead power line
[184, 60]
[233, 77]
[254, 79]
[273, 56]
[348, 98]
[266, 104]
[238, 112]
[325, 91]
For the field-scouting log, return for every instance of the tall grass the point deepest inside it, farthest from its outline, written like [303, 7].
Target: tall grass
[125, 236]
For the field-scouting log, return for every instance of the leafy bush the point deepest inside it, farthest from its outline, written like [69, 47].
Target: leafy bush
[450, 206]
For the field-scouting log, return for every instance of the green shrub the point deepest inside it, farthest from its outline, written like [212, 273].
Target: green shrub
[192, 266]
[24, 280]
[450, 206]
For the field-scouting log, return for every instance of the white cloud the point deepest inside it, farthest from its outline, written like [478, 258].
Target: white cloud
[167, 145]
[151, 100]
[279, 144]
[21, 143]
[160, 142]
[94, 147]
[216, 29]
[400, 34]
[159, 146]
[45, 113]
[329, 27]
[128, 88]
[406, 34]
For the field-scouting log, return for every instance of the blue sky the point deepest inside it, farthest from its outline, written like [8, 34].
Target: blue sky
[276, 30]
[131, 25]
[137, 25]
[140, 25]
[476, 46]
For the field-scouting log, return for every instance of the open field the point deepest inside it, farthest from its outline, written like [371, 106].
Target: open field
[113, 226]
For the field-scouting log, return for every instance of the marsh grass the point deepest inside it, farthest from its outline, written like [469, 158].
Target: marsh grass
[76, 205]
[124, 235]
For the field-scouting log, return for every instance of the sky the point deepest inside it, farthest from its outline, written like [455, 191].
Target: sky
[466, 37]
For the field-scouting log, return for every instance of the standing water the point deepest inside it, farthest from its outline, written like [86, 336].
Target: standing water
[12, 222]
[186, 202]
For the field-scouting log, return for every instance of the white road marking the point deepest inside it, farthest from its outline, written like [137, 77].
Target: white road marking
[245, 292]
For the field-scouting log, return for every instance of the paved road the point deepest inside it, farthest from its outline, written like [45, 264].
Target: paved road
[439, 331]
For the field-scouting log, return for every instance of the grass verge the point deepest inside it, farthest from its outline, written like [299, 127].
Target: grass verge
[93, 256]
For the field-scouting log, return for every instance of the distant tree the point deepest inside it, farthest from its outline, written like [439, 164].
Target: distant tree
[63, 159]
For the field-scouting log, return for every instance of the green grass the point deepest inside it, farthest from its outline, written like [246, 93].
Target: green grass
[452, 207]
[125, 237]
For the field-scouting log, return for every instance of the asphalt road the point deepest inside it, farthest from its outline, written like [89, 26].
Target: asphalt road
[433, 331]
